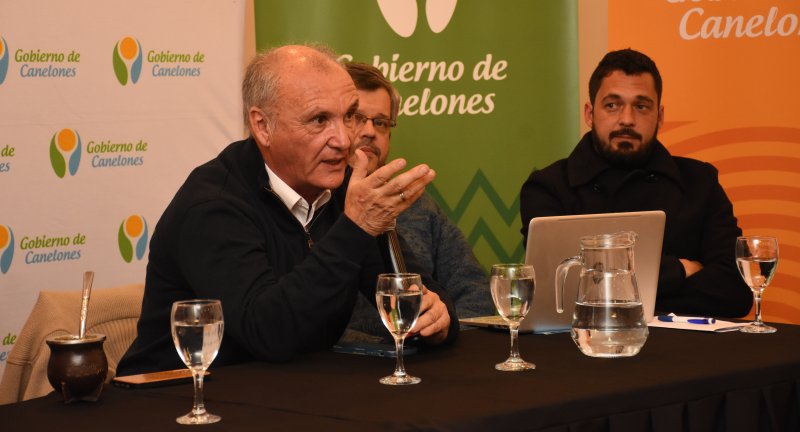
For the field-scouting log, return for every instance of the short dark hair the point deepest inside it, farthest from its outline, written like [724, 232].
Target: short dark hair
[369, 78]
[631, 62]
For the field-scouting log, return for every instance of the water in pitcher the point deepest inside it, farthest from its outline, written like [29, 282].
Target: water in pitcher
[609, 317]
[609, 330]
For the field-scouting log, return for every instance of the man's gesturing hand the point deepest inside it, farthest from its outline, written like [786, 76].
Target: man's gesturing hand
[374, 201]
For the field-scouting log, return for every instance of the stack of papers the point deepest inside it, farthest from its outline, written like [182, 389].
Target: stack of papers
[695, 323]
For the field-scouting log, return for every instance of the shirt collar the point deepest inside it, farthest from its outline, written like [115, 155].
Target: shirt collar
[296, 204]
[584, 164]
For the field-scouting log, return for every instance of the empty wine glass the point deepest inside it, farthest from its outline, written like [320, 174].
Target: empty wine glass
[512, 291]
[197, 328]
[757, 259]
[399, 297]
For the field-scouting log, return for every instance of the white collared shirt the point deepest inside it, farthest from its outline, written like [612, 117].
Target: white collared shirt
[294, 202]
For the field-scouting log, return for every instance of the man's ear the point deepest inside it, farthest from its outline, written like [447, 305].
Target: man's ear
[259, 126]
[660, 116]
[588, 114]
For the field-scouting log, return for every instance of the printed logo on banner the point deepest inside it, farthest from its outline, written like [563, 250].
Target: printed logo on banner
[133, 237]
[401, 15]
[40, 63]
[6, 248]
[127, 60]
[116, 154]
[3, 59]
[48, 248]
[435, 98]
[65, 152]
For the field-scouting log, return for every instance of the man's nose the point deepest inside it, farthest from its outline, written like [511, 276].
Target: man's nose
[626, 116]
[367, 129]
[342, 136]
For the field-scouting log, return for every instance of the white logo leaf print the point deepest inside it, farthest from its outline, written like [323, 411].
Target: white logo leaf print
[439, 13]
[401, 15]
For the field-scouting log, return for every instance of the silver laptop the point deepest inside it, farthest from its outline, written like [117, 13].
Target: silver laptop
[553, 239]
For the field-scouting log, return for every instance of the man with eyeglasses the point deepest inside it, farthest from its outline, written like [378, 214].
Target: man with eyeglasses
[266, 226]
[436, 243]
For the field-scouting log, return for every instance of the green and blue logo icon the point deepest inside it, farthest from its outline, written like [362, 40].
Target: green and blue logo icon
[3, 59]
[65, 152]
[133, 238]
[6, 248]
[127, 60]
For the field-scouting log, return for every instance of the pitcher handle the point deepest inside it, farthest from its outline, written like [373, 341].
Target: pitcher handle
[561, 279]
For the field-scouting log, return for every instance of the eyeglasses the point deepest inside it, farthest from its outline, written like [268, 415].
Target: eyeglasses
[381, 125]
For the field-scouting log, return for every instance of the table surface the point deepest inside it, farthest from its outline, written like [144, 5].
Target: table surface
[679, 378]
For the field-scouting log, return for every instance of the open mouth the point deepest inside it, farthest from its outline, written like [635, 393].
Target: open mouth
[334, 162]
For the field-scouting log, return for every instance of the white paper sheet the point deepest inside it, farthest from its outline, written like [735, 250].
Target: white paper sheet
[719, 326]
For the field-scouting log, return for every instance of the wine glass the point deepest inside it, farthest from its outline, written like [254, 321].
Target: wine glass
[197, 328]
[399, 297]
[512, 291]
[757, 258]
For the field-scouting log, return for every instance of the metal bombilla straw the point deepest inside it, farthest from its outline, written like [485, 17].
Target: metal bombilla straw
[88, 278]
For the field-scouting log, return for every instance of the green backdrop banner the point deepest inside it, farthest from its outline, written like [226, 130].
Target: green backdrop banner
[490, 91]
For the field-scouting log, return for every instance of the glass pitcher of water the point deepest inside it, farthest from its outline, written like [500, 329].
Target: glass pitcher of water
[609, 318]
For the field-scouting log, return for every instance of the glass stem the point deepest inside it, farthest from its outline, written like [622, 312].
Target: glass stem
[757, 298]
[399, 371]
[514, 328]
[199, 407]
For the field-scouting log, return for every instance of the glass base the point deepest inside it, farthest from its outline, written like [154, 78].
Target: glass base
[514, 365]
[757, 328]
[193, 419]
[400, 380]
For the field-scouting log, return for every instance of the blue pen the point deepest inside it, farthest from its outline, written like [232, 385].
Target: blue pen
[689, 320]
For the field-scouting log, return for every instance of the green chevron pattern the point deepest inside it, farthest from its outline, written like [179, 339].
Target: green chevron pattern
[482, 230]
[490, 246]
[478, 182]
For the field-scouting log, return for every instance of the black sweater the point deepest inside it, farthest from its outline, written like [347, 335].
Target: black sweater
[284, 291]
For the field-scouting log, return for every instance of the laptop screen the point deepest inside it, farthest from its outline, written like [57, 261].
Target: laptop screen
[554, 239]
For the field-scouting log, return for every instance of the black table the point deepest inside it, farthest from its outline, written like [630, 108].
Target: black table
[681, 380]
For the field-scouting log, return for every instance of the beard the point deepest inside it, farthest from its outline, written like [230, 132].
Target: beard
[625, 156]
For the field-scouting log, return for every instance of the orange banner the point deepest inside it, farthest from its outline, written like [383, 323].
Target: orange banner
[731, 92]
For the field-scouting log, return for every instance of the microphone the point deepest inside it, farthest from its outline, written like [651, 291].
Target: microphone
[389, 246]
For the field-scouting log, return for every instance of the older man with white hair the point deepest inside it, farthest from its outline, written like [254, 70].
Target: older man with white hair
[267, 227]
